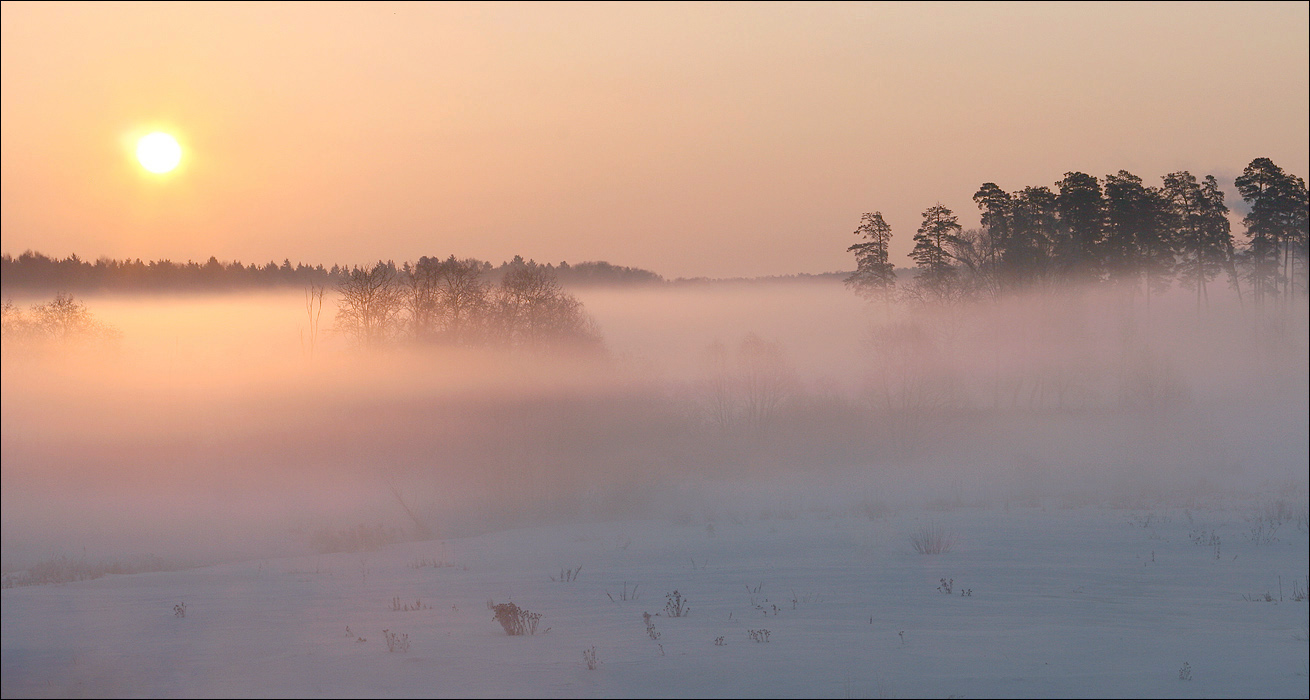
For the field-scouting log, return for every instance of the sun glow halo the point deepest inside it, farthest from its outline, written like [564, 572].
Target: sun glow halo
[158, 152]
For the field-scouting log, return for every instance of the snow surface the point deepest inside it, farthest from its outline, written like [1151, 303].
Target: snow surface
[1111, 474]
[1066, 602]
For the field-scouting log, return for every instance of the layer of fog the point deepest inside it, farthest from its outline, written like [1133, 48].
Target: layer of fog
[213, 433]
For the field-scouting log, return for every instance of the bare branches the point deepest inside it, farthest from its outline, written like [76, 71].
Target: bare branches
[449, 302]
[370, 304]
[62, 323]
[313, 309]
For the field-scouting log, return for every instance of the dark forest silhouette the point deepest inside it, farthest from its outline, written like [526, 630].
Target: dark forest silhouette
[34, 272]
[1117, 230]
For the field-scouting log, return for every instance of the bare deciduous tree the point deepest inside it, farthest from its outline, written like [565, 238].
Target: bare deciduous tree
[419, 290]
[767, 381]
[371, 304]
[61, 322]
[313, 309]
[717, 388]
[530, 309]
[908, 385]
[462, 300]
[750, 393]
[979, 255]
[63, 318]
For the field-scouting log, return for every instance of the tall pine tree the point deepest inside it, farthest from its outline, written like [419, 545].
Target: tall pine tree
[1033, 220]
[939, 232]
[1082, 225]
[1201, 230]
[874, 275]
[1277, 207]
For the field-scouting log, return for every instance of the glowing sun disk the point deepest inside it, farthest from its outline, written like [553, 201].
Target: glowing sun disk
[158, 152]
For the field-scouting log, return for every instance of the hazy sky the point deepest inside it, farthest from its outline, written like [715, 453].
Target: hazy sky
[691, 139]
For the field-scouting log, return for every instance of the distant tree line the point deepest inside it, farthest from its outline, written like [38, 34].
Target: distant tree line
[34, 272]
[1116, 229]
[451, 302]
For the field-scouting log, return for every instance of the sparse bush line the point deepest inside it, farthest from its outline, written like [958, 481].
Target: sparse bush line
[69, 569]
[398, 606]
[1298, 593]
[1200, 538]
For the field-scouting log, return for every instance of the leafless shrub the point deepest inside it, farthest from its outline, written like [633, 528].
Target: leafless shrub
[1273, 515]
[675, 605]
[932, 539]
[516, 621]
[398, 606]
[568, 575]
[625, 594]
[1262, 531]
[589, 656]
[396, 642]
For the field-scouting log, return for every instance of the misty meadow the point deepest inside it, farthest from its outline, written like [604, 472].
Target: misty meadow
[703, 350]
[434, 401]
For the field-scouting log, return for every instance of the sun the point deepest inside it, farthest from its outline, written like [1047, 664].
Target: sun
[158, 152]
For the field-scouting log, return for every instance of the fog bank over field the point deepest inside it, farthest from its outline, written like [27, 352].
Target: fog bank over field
[212, 432]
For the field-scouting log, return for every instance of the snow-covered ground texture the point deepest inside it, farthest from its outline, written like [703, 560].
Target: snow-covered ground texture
[1123, 487]
[1043, 601]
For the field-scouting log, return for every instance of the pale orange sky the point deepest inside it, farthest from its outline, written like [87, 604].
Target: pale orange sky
[690, 139]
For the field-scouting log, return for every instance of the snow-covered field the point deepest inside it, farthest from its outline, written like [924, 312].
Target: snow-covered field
[1045, 601]
[1124, 490]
